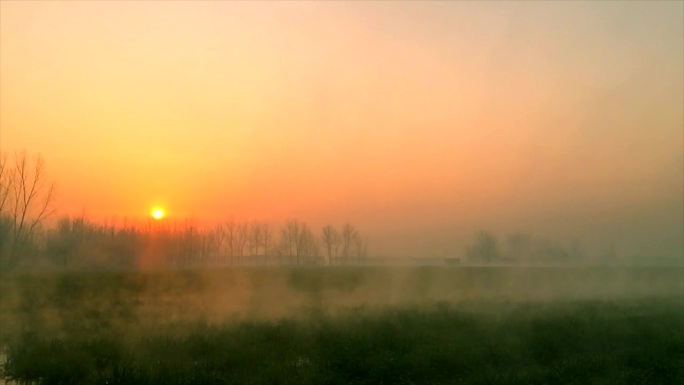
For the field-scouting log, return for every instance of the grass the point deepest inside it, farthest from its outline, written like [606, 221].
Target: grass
[119, 329]
[585, 342]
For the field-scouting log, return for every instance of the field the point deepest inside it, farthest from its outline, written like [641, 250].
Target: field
[355, 325]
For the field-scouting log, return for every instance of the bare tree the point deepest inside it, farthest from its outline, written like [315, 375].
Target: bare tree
[254, 242]
[230, 236]
[331, 239]
[27, 197]
[206, 244]
[360, 248]
[6, 180]
[259, 240]
[266, 238]
[347, 238]
[485, 248]
[219, 244]
[242, 234]
[307, 244]
[297, 242]
[289, 237]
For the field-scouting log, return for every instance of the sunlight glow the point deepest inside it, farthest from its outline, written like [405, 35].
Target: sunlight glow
[157, 213]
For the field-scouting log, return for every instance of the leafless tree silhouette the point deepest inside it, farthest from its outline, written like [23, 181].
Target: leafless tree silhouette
[360, 247]
[6, 180]
[331, 239]
[266, 238]
[289, 234]
[26, 199]
[347, 240]
[484, 249]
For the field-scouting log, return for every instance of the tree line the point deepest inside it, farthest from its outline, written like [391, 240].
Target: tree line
[27, 198]
[79, 242]
[520, 248]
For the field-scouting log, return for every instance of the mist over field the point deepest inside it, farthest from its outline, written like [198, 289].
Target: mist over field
[339, 325]
[408, 192]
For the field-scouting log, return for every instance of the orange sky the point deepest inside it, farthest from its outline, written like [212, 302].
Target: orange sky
[420, 122]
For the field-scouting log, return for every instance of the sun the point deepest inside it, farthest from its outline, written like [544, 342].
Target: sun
[157, 213]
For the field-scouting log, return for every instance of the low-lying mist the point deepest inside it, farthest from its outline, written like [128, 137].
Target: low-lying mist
[130, 302]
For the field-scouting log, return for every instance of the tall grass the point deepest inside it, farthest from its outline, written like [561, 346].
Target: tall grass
[563, 342]
[346, 326]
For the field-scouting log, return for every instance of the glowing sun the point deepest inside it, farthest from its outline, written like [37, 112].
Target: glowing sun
[157, 213]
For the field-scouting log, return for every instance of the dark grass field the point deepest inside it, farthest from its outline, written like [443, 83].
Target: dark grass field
[346, 326]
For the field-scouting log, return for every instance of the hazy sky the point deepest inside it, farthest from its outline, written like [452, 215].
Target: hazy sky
[419, 122]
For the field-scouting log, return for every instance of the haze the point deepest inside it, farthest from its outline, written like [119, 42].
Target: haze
[420, 122]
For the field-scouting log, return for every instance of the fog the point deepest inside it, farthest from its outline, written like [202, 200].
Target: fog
[97, 302]
[422, 123]
[212, 192]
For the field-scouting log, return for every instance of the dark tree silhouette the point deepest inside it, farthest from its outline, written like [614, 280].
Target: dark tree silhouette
[347, 237]
[485, 248]
[26, 199]
[331, 239]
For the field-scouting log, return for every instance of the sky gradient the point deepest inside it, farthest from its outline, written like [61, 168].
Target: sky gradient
[420, 122]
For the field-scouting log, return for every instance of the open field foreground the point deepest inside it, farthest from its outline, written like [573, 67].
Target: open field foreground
[345, 325]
